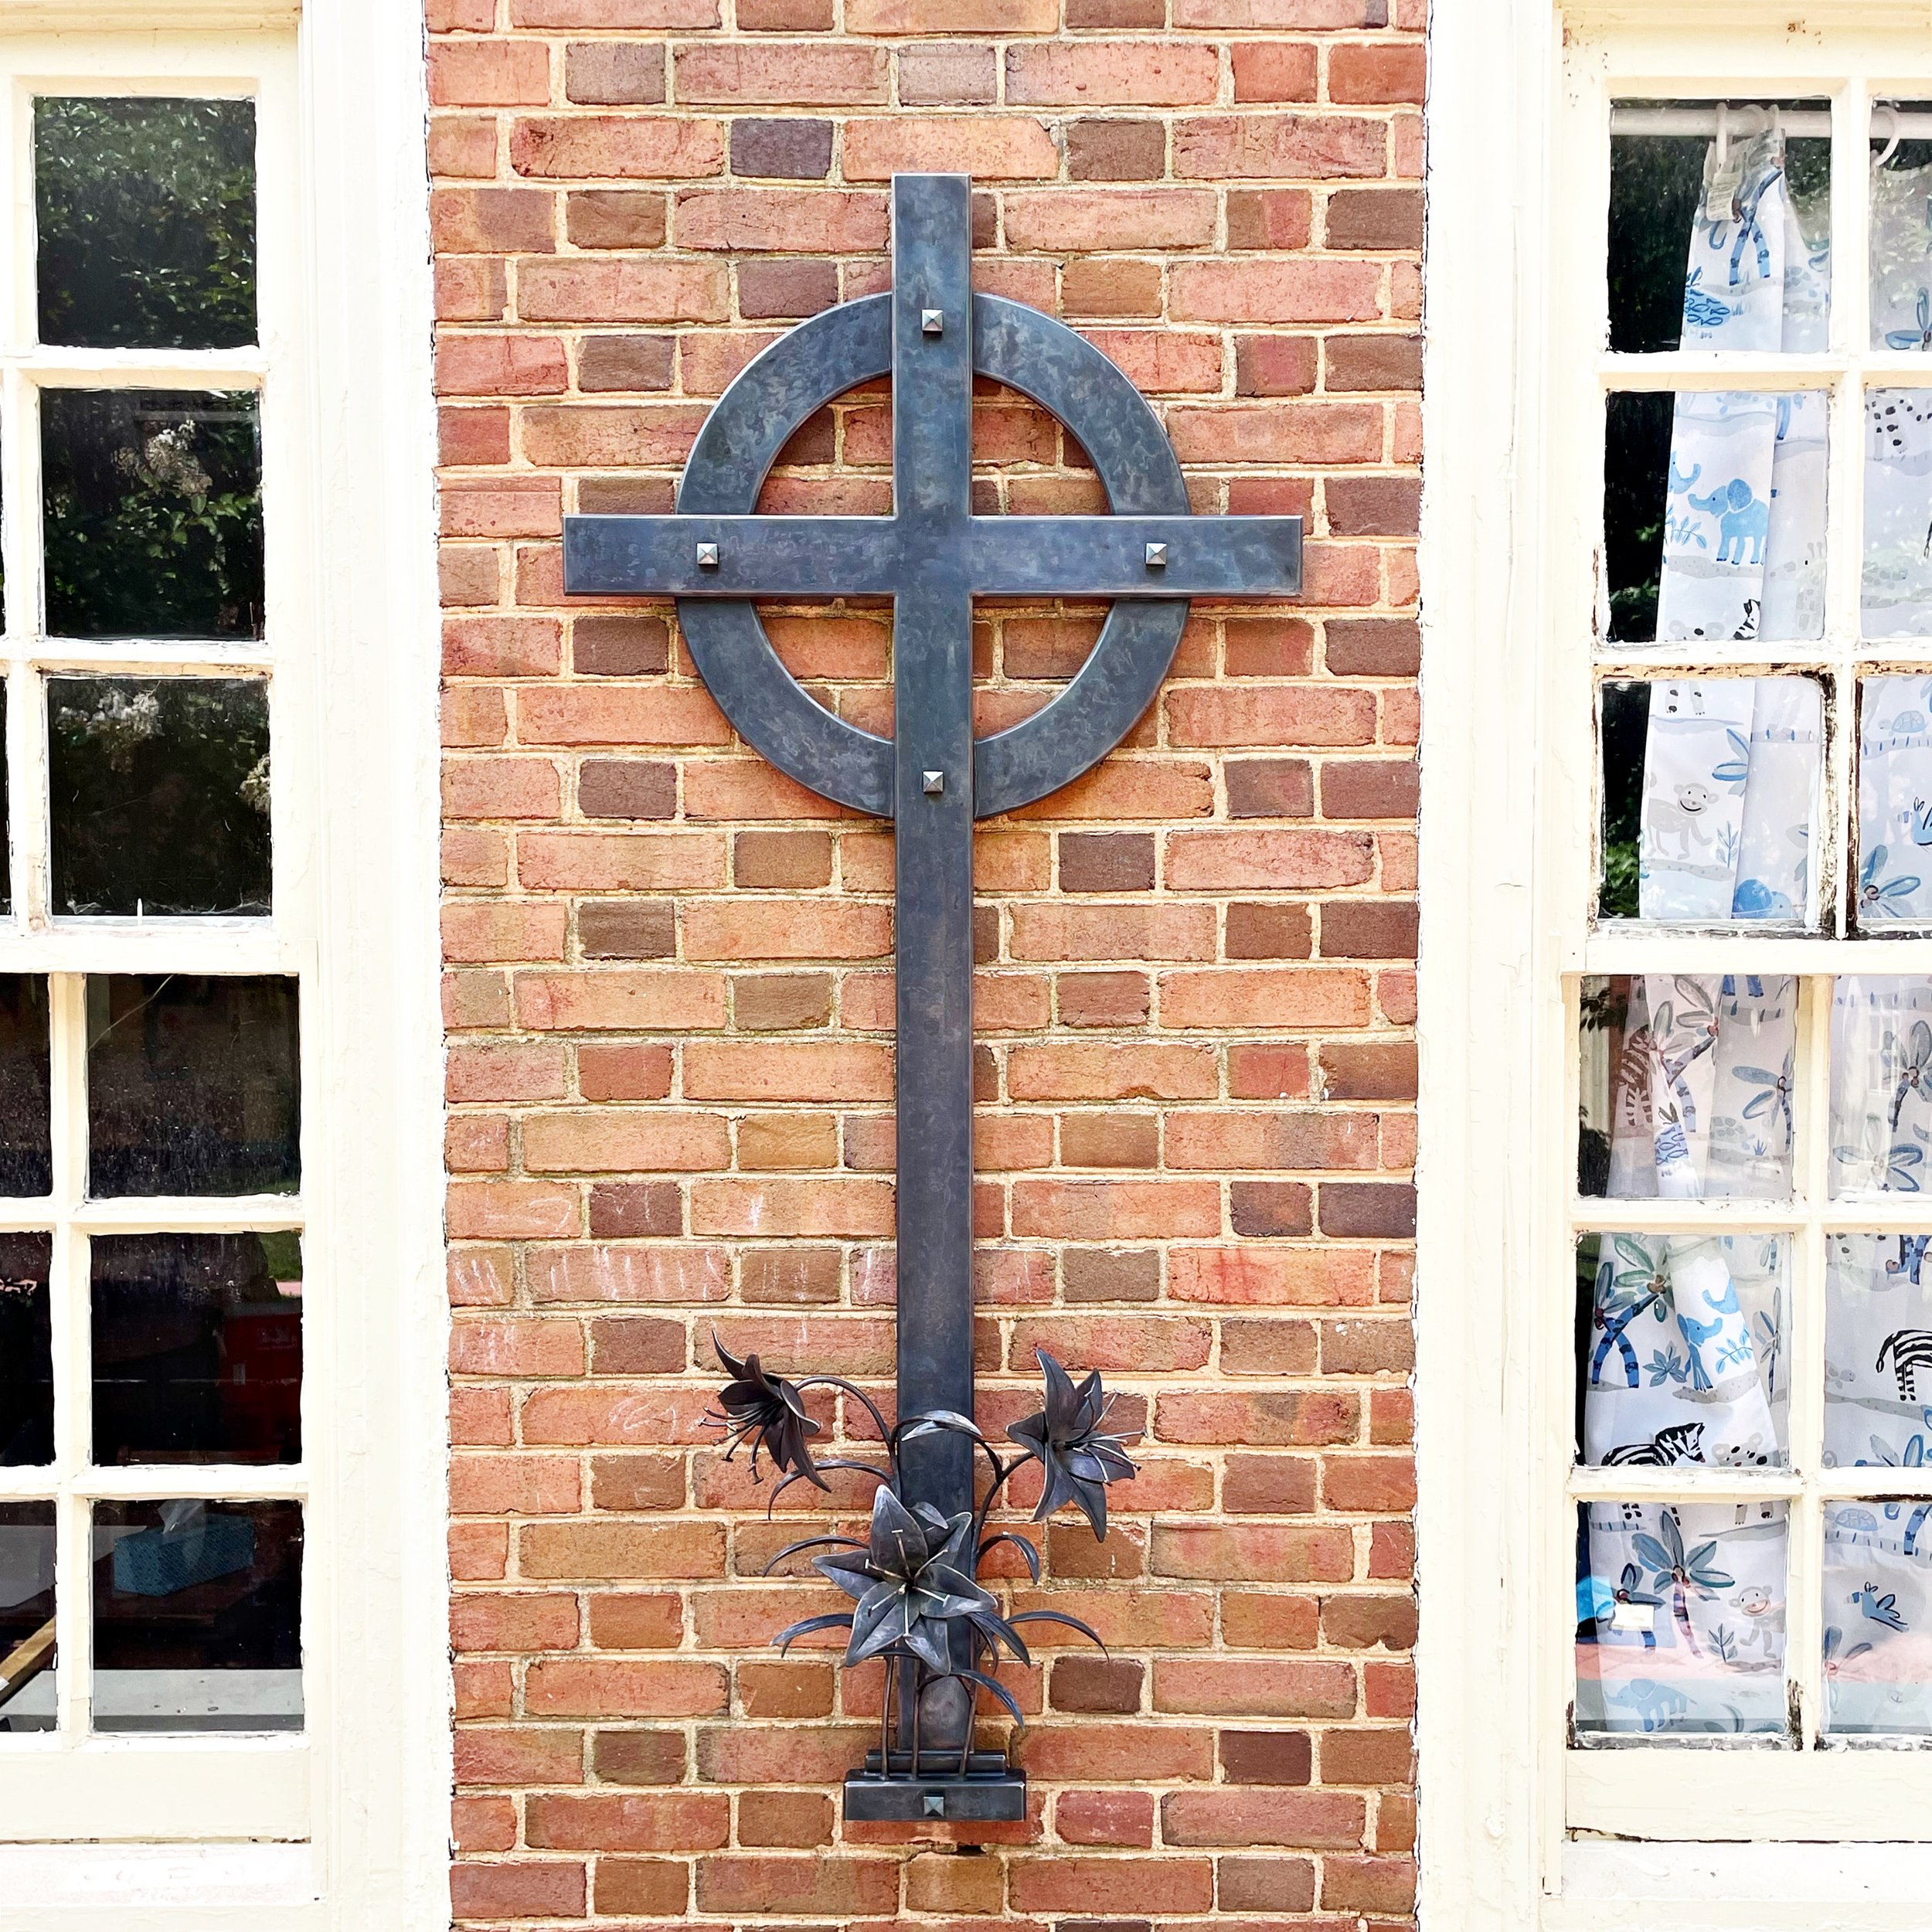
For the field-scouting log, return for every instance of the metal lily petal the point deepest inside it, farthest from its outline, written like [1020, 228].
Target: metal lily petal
[910, 1580]
[1078, 1458]
[766, 1411]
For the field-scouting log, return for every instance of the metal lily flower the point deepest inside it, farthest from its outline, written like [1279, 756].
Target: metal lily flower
[766, 1411]
[917, 1600]
[1079, 1459]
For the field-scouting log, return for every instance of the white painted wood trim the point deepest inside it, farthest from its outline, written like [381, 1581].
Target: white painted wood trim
[374, 1799]
[1513, 415]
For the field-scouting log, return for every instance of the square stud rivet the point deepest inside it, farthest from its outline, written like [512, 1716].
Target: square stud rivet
[933, 1804]
[707, 557]
[1157, 557]
[935, 784]
[932, 321]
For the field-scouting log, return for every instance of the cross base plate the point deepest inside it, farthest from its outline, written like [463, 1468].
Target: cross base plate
[990, 1793]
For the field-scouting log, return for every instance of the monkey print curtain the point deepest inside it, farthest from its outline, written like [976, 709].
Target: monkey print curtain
[1681, 1608]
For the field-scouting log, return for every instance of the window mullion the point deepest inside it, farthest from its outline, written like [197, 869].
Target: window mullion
[1804, 1365]
[74, 1565]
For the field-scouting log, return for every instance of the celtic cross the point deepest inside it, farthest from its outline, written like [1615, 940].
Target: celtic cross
[932, 556]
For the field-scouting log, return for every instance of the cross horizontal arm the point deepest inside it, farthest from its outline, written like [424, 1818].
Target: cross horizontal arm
[801, 557]
[1136, 556]
[834, 556]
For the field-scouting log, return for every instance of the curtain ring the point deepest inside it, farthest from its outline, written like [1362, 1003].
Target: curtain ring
[1891, 147]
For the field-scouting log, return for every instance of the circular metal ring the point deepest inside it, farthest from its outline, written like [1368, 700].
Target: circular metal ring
[1045, 361]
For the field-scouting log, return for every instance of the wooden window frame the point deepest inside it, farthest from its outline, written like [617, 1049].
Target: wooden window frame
[1526, 1830]
[346, 1822]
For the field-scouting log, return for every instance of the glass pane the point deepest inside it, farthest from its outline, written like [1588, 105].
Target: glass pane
[198, 1616]
[1896, 595]
[1712, 790]
[1895, 802]
[197, 1348]
[28, 1674]
[1714, 516]
[1878, 1352]
[153, 513]
[146, 222]
[193, 1085]
[159, 789]
[1878, 1606]
[26, 1142]
[1881, 1084]
[1686, 1085]
[1711, 250]
[1682, 1349]
[1901, 231]
[1680, 1617]
[26, 1353]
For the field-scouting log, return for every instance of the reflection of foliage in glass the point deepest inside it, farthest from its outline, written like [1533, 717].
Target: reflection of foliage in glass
[1636, 462]
[1625, 731]
[146, 215]
[153, 514]
[160, 795]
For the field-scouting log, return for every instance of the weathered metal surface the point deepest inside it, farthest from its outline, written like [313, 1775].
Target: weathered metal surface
[932, 556]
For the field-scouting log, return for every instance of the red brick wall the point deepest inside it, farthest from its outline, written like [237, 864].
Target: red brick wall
[669, 1004]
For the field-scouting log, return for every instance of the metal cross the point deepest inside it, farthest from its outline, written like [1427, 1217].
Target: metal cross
[932, 556]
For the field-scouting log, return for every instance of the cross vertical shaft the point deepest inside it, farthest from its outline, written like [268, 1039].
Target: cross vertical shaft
[933, 931]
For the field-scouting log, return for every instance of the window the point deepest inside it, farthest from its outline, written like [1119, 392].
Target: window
[1718, 1581]
[212, 1295]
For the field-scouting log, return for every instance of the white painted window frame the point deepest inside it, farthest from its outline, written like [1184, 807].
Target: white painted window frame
[1517, 1830]
[347, 1824]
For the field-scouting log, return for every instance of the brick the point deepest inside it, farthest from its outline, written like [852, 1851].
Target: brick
[577, 147]
[628, 1885]
[1265, 1884]
[787, 288]
[744, 73]
[951, 16]
[830, 1886]
[607, 15]
[941, 75]
[1267, 1757]
[1373, 361]
[1383, 218]
[615, 217]
[824, 220]
[785, 150]
[988, 147]
[1067, 219]
[622, 291]
[488, 73]
[1274, 365]
[623, 362]
[1112, 73]
[614, 73]
[1273, 69]
[518, 1889]
[629, 1820]
[1066, 1884]
[1286, 147]
[1392, 73]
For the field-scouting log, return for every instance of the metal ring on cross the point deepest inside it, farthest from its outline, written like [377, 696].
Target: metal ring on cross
[1045, 361]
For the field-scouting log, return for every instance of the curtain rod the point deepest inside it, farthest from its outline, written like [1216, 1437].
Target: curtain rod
[1629, 119]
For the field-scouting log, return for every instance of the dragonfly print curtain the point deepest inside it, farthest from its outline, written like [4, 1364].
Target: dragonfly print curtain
[1681, 1608]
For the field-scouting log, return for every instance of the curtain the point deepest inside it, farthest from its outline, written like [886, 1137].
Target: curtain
[1681, 1608]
